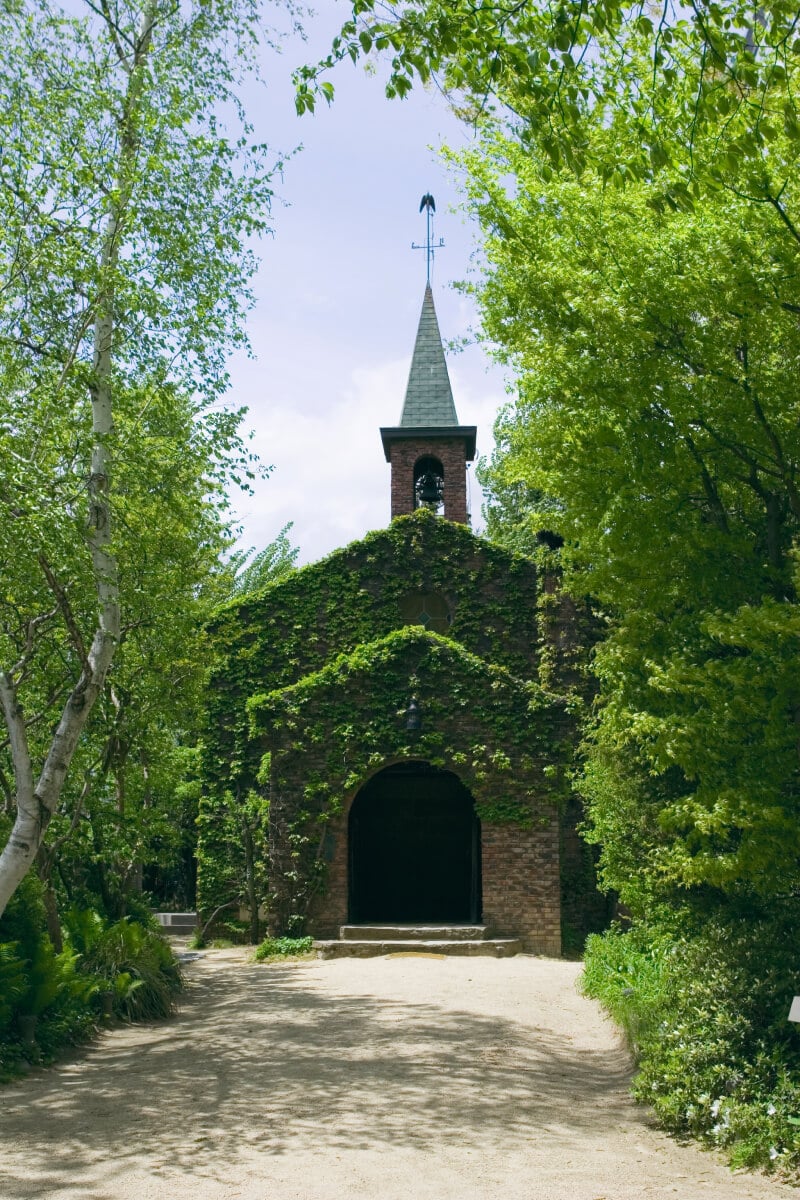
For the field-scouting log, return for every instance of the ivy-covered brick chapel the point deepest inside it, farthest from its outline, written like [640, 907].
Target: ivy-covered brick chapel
[386, 726]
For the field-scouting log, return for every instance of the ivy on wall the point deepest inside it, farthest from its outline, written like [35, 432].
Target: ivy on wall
[319, 669]
[328, 733]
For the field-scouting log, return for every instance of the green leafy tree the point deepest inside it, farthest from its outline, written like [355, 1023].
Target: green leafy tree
[677, 73]
[119, 808]
[125, 212]
[255, 569]
[657, 353]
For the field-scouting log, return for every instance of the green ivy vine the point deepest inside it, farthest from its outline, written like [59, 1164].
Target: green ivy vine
[318, 669]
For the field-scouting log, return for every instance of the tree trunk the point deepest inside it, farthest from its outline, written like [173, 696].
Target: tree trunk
[36, 804]
[250, 873]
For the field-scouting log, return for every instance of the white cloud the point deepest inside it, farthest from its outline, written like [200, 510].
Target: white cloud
[331, 478]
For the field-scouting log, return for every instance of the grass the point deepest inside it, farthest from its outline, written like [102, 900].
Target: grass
[283, 948]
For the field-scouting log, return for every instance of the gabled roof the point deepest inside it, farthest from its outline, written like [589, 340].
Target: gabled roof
[429, 396]
[294, 626]
[428, 653]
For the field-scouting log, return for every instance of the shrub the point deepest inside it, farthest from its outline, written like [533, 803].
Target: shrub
[42, 994]
[56, 998]
[283, 947]
[130, 961]
[12, 982]
[703, 996]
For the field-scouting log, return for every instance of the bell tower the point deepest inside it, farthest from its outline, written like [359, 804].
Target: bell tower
[429, 450]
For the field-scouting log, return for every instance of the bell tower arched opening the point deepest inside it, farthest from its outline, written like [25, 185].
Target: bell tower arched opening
[414, 849]
[429, 484]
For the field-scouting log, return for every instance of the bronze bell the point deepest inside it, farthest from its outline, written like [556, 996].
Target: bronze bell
[429, 488]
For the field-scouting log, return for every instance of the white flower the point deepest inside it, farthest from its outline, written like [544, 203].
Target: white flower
[771, 1110]
[715, 1108]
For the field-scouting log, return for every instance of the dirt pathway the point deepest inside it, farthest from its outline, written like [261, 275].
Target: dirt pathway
[437, 1079]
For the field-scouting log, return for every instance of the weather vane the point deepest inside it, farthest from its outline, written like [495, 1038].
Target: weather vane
[430, 247]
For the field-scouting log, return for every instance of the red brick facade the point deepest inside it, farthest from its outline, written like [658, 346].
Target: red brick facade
[451, 453]
[521, 884]
[520, 892]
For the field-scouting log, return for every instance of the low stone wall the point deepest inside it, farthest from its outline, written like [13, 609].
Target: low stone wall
[184, 922]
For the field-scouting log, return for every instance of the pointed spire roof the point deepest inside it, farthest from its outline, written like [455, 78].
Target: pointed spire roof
[429, 397]
[429, 411]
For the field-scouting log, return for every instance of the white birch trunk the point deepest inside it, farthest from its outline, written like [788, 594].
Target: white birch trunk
[36, 805]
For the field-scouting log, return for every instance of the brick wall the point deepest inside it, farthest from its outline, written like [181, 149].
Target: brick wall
[451, 453]
[521, 884]
[521, 889]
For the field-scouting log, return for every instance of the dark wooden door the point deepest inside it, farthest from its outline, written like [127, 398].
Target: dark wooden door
[414, 849]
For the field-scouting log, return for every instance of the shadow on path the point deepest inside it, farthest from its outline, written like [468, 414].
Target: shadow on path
[267, 1058]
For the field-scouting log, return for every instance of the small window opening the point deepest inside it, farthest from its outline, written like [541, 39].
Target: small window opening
[429, 609]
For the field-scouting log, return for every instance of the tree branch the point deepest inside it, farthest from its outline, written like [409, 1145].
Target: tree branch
[709, 487]
[18, 669]
[76, 637]
[20, 757]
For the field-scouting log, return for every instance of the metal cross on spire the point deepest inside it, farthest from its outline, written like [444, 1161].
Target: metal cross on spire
[430, 246]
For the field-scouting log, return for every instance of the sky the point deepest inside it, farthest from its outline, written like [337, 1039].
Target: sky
[339, 293]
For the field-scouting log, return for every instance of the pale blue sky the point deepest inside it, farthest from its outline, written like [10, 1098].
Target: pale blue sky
[339, 296]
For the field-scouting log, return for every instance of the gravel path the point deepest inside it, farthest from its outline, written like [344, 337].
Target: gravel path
[393, 1078]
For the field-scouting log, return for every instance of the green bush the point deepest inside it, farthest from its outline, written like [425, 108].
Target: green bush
[128, 960]
[43, 995]
[49, 1001]
[703, 996]
[12, 982]
[283, 947]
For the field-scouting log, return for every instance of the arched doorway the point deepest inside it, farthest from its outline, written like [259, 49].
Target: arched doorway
[414, 842]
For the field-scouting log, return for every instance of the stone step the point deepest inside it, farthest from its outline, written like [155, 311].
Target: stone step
[486, 947]
[412, 933]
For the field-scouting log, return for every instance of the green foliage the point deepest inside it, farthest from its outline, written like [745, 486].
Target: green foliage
[126, 276]
[255, 570]
[57, 999]
[137, 966]
[46, 978]
[357, 705]
[23, 922]
[128, 958]
[702, 95]
[12, 982]
[331, 644]
[232, 853]
[354, 596]
[657, 414]
[703, 994]
[283, 947]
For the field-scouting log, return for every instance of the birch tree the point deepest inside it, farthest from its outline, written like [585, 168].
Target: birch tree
[129, 187]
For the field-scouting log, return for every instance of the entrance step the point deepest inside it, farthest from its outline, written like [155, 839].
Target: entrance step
[372, 948]
[413, 933]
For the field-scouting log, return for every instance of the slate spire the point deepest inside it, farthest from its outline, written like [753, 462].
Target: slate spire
[429, 450]
[429, 396]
